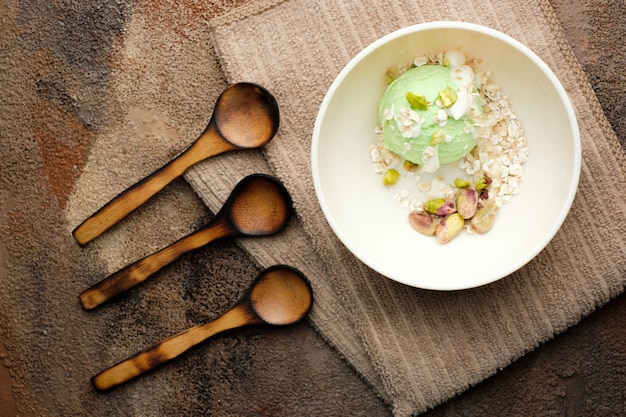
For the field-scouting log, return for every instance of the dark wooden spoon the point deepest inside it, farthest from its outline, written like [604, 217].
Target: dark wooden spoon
[280, 295]
[245, 116]
[259, 205]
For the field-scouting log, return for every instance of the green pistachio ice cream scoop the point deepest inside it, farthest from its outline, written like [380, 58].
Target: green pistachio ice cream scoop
[425, 114]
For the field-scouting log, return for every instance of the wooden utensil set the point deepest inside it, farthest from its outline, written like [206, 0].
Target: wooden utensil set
[245, 116]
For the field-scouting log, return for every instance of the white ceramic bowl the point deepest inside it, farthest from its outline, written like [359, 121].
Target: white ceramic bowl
[374, 227]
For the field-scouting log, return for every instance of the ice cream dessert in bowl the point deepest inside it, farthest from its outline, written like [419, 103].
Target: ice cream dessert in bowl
[445, 155]
[444, 109]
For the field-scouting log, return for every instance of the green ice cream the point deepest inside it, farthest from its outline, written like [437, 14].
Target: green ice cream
[424, 114]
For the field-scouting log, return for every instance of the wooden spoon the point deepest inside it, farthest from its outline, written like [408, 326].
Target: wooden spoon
[245, 116]
[259, 205]
[280, 295]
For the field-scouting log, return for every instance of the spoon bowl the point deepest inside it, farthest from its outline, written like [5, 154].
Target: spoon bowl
[245, 116]
[279, 295]
[259, 205]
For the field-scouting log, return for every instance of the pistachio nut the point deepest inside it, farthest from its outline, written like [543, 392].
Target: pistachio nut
[409, 166]
[449, 227]
[483, 182]
[447, 96]
[467, 203]
[391, 75]
[483, 219]
[391, 177]
[484, 194]
[423, 222]
[417, 101]
[437, 137]
[460, 183]
[440, 207]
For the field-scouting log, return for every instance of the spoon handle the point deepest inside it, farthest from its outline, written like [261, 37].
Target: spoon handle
[139, 271]
[207, 145]
[171, 347]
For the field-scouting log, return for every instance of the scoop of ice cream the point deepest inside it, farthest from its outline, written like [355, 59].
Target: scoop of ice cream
[425, 114]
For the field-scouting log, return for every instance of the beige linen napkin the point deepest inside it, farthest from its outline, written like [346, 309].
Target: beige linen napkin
[417, 348]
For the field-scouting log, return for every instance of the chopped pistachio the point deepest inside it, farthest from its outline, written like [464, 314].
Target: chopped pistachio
[437, 137]
[391, 177]
[460, 183]
[392, 74]
[483, 182]
[447, 96]
[409, 166]
[416, 101]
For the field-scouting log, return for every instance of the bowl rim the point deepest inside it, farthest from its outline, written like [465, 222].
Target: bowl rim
[446, 25]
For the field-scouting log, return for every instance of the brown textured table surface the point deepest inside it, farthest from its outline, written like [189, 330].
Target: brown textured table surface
[580, 373]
